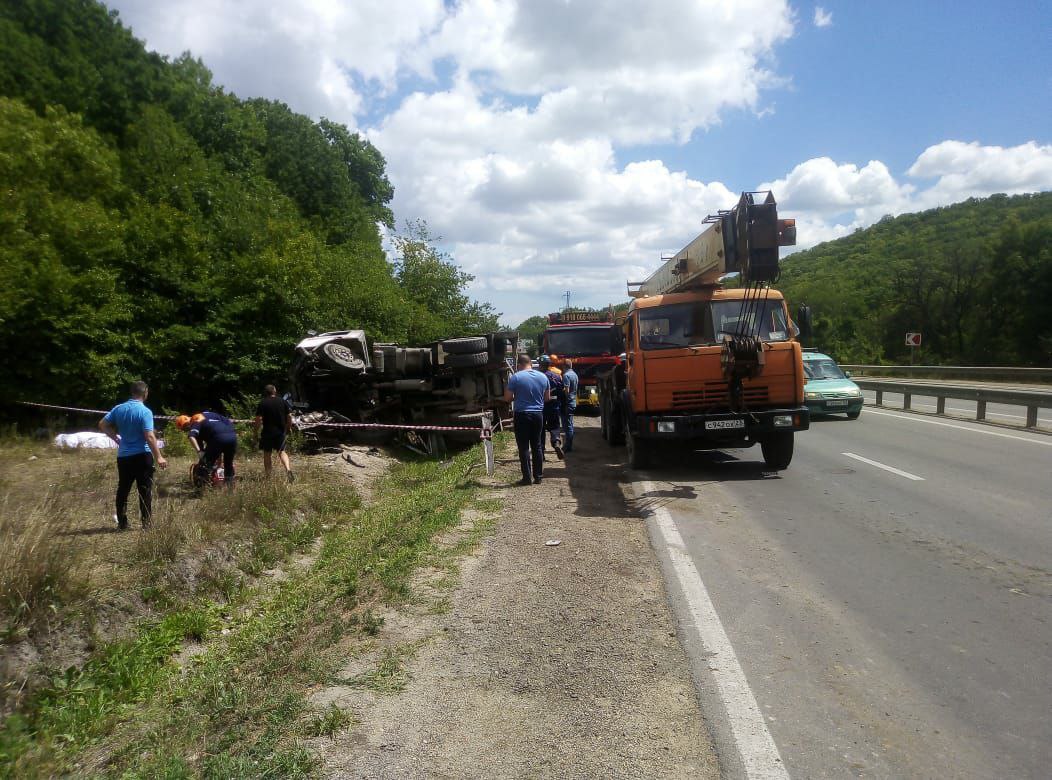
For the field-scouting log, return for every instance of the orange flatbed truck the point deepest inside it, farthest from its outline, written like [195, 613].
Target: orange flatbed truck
[704, 367]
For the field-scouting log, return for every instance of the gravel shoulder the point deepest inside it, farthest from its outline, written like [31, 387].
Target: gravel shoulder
[539, 660]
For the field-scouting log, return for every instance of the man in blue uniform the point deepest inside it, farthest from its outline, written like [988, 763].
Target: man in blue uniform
[529, 390]
[137, 452]
[553, 407]
[571, 382]
[213, 435]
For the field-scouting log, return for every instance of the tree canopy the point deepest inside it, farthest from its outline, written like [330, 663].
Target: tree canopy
[974, 278]
[155, 226]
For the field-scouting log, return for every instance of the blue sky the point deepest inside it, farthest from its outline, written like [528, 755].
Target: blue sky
[564, 144]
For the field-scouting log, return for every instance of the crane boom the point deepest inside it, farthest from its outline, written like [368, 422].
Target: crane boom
[743, 239]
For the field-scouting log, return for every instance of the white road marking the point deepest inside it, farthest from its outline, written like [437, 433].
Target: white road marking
[755, 745]
[915, 418]
[884, 466]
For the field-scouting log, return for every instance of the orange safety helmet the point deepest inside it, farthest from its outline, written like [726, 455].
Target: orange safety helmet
[182, 422]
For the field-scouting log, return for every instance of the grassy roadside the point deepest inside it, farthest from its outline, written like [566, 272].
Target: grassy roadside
[237, 706]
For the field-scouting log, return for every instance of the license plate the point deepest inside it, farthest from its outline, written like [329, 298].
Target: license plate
[836, 403]
[719, 425]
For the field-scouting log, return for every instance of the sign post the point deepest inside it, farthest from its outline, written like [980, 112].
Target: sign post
[913, 340]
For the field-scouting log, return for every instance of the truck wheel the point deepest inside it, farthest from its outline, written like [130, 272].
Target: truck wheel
[638, 451]
[615, 427]
[778, 450]
[467, 361]
[467, 346]
[603, 426]
[341, 356]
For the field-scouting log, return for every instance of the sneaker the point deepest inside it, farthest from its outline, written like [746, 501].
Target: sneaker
[291, 477]
[558, 450]
[537, 480]
[524, 481]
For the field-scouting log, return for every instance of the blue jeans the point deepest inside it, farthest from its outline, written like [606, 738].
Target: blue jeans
[567, 421]
[529, 437]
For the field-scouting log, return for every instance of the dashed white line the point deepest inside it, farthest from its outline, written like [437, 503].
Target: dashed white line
[884, 466]
[919, 419]
[756, 748]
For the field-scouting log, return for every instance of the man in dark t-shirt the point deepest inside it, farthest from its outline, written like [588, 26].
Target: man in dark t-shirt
[274, 421]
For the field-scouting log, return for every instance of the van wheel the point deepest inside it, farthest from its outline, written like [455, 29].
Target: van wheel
[778, 450]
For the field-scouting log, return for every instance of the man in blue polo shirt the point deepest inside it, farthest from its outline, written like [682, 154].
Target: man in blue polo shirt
[137, 452]
[529, 390]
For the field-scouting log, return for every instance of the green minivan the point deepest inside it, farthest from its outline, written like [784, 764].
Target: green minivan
[827, 389]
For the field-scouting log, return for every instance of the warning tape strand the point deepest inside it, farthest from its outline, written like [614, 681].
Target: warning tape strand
[301, 426]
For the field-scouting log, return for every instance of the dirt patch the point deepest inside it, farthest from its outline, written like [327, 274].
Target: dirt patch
[544, 661]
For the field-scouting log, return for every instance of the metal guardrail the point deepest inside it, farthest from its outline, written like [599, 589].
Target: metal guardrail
[956, 372]
[1030, 399]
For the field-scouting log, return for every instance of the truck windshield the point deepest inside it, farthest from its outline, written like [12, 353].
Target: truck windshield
[579, 341]
[687, 324]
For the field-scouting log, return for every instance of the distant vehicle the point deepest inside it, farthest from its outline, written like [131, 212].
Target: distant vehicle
[828, 390]
[585, 338]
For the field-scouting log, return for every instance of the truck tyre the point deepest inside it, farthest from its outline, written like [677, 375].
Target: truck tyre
[603, 429]
[778, 450]
[638, 451]
[341, 356]
[615, 427]
[467, 361]
[467, 346]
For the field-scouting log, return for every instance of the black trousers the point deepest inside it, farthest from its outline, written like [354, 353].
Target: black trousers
[227, 448]
[529, 436]
[136, 469]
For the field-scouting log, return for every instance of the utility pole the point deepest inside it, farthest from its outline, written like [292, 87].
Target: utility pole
[567, 294]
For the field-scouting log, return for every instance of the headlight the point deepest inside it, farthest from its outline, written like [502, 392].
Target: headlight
[593, 391]
[666, 426]
[857, 393]
[812, 396]
[783, 421]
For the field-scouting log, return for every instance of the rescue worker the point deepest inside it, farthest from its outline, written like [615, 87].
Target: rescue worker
[213, 435]
[571, 381]
[553, 407]
[274, 422]
[528, 388]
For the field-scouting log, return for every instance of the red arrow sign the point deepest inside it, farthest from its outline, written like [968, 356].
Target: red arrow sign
[913, 339]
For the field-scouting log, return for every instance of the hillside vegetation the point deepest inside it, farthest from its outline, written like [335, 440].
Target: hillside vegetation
[153, 225]
[974, 278]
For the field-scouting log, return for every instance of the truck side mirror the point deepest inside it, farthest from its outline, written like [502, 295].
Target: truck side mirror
[803, 319]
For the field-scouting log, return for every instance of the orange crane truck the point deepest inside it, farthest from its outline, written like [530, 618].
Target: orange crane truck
[707, 367]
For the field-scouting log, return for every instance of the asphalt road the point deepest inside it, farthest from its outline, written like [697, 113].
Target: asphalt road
[888, 597]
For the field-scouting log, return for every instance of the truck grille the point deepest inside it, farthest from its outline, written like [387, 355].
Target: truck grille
[715, 394]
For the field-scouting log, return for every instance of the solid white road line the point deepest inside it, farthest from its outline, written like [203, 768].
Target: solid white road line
[755, 746]
[916, 418]
[884, 466]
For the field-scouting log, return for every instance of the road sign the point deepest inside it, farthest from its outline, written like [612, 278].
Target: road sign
[913, 339]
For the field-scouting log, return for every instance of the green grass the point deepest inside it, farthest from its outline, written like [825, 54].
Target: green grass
[239, 709]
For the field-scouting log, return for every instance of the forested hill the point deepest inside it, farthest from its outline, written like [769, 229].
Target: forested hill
[974, 278]
[153, 225]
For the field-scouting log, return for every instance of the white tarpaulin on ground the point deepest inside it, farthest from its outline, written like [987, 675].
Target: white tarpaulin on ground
[88, 440]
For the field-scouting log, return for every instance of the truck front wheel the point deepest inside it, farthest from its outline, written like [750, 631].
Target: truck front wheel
[778, 450]
[638, 450]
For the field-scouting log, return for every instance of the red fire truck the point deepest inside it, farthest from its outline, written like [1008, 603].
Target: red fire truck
[585, 338]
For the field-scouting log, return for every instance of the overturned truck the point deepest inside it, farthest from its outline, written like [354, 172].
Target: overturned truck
[342, 377]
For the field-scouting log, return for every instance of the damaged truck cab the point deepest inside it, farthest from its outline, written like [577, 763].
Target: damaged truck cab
[349, 379]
